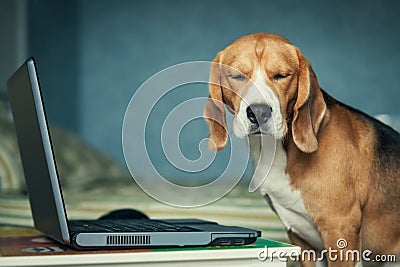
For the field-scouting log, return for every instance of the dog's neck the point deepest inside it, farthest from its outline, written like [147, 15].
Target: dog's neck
[262, 146]
[264, 150]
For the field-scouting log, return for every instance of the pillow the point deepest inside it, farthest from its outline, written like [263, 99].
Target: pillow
[80, 167]
[11, 173]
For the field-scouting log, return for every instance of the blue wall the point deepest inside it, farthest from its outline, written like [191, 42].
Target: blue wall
[53, 40]
[93, 55]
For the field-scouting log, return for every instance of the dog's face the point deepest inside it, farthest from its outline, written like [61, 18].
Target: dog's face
[270, 88]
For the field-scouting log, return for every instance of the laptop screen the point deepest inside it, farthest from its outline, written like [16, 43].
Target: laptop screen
[38, 162]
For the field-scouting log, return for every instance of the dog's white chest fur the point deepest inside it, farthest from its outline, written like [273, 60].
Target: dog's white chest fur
[287, 203]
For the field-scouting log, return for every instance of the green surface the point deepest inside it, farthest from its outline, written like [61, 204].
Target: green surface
[260, 243]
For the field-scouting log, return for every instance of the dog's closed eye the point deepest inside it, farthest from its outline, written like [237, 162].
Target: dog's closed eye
[281, 76]
[237, 77]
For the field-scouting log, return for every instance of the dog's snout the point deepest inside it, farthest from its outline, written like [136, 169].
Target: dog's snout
[258, 113]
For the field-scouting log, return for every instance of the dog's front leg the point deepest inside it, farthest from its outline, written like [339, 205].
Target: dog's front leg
[341, 235]
[298, 241]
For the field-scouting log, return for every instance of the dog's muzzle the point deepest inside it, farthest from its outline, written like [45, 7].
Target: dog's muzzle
[258, 114]
[260, 118]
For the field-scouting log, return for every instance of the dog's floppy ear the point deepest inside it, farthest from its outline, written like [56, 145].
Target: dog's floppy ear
[309, 109]
[214, 111]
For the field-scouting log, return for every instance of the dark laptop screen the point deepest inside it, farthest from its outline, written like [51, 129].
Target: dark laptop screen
[36, 153]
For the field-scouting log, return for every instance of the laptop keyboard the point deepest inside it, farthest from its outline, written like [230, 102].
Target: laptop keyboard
[127, 226]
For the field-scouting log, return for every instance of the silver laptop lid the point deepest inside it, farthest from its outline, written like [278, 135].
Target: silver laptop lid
[45, 196]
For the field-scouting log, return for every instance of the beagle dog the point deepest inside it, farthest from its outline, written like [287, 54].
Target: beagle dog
[336, 170]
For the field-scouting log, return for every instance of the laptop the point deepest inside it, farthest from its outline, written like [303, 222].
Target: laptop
[46, 199]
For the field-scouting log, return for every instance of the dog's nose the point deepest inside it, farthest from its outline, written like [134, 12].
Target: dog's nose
[258, 113]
